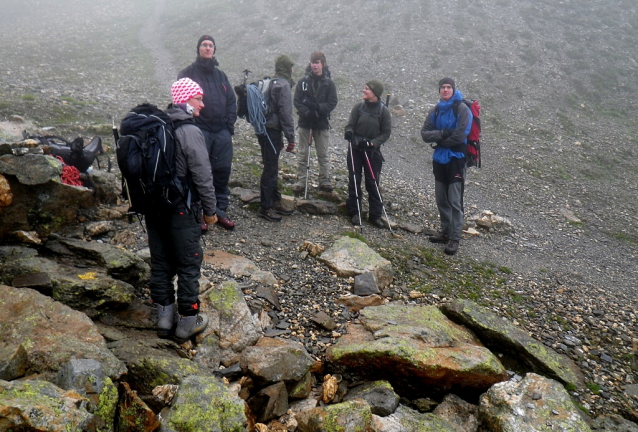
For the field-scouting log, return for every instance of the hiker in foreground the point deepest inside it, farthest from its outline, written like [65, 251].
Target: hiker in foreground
[315, 99]
[446, 128]
[368, 128]
[279, 123]
[217, 120]
[173, 236]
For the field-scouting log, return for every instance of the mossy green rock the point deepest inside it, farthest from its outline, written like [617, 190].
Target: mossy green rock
[501, 334]
[40, 405]
[204, 403]
[417, 346]
[146, 373]
[351, 416]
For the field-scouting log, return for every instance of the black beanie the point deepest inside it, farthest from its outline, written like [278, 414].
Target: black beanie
[449, 81]
[202, 39]
[376, 86]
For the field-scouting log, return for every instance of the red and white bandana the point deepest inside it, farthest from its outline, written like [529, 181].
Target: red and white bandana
[185, 89]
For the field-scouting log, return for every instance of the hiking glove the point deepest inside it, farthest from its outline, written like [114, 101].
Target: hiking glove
[364, 144]
[291, 147]
[348, 135]
[446, 133]
[313, 106]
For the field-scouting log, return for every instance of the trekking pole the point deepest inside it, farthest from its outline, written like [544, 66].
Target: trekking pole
[356, 187]
[387, 99]
[305, 194]
[378, 192]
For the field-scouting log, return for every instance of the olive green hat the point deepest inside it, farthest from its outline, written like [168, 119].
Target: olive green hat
[376, 86]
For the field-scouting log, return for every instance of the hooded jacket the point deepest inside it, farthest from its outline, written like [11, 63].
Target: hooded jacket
[455, 145]
[372, 121]
[315, 89]
[191, 158]
[220, 103]
[281, 99]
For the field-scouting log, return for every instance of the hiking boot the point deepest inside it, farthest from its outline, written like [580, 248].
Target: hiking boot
[298, 190]
[225, 223]
[204, 227]
[268, 214]
[355, 220]
[166, 316]
[439, 238]
[326, 188]
[189, 326]
[377, 222]
[452, 247]
[279, 208]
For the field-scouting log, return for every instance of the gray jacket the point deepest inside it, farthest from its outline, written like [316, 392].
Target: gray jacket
[192, 158]
[281, 116]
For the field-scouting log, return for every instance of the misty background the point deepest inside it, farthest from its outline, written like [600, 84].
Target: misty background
[557, 81]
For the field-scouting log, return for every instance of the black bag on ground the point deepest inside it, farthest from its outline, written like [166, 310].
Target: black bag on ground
[146, 157]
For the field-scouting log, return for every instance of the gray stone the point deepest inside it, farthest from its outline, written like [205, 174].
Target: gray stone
[316, 207]
[365, 284]
[613, 423]
[274, 360]
[405, 419]
[31, 169]
[269, 402]
[349, 257]
[379, 395]
[499, 334]
[505, 406]
[348, 416]
[13, 362]
[463, 415]
[324, 320]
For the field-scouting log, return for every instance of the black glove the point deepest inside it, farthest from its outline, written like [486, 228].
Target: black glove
[313, 106]
[348, 135]
[446, 133]
[364, 144]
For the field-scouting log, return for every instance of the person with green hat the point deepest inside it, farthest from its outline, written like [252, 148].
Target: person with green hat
[279, 121]
[368, 128]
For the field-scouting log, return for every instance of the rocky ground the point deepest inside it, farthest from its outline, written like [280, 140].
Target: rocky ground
[554, 80]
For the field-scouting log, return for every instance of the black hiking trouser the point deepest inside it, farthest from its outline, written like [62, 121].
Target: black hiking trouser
[375, 207]
[173, 239]
[270, 151]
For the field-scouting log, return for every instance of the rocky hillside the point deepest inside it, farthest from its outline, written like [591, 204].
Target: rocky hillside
[556, 81]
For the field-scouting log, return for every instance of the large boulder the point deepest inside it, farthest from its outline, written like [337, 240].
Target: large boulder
[52, 333]
[204, 403]
[35, 405]
[231, 327]
[349, 257]
[416, 347]
[533, 404]
[503, 336]
[405, 419]
[348, 416]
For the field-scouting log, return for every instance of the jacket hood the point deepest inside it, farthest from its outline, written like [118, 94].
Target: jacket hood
[178, 112]
[326, 72]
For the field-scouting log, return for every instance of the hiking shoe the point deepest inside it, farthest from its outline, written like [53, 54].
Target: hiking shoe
[204, 227]
[268, 214]
[225, 223]
[166, 316]
[279, 208]
[452, 247]
[355, 220]
[377, 222]
[439, 238]
[326, 188]
[189, 326]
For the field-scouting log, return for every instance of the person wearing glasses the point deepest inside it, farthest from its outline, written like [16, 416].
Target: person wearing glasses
[173, 237]
[368, 128]
[216, 120]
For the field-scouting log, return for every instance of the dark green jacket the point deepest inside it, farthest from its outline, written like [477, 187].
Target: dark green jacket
[372, 121]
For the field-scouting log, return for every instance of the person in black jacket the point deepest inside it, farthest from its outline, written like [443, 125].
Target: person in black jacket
[216, 120]
[369, 126]
[279, 121]
[315, 99]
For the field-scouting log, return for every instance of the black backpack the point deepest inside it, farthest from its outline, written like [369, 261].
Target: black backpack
[146, 157]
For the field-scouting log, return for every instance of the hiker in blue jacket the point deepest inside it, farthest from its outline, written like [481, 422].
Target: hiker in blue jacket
[216, 120]
[446, 128]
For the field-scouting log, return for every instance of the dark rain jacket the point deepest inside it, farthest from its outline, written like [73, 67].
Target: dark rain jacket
[220, 103]
[281, 102]
[191, 159]
[315, 89]
[371, 121]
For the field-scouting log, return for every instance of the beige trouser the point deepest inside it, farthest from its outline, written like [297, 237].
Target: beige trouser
[321, 143]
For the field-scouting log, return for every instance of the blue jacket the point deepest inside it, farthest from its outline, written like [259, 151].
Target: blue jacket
[453, 146]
